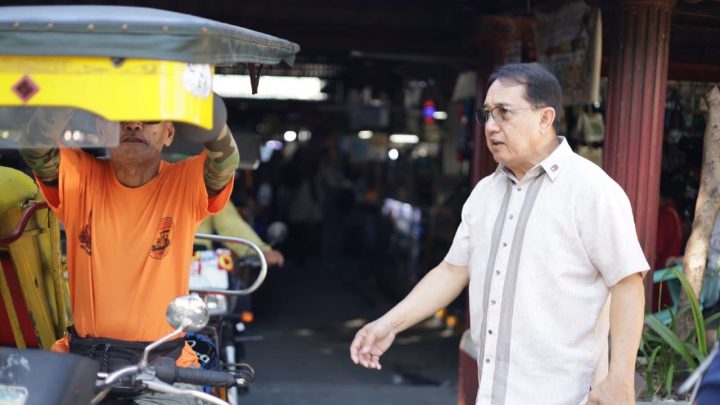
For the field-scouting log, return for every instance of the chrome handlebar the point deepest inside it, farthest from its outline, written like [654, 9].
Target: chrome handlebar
[111, 378]
[160, 386]
[154, 384]
[258, 281]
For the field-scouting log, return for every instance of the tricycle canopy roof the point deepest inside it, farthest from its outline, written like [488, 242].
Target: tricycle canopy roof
[135, 32]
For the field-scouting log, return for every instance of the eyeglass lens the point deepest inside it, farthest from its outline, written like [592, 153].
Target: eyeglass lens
[499, 114]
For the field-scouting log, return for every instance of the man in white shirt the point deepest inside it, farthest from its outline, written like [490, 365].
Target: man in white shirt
[543, 243]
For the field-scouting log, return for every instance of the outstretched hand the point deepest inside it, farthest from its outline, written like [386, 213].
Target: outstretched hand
[371, 342]
[274, 258]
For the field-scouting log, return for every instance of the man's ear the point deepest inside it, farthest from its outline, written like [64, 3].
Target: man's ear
[171, 134]
[547, 119]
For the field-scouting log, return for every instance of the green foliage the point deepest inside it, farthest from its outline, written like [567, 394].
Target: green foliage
[665, 355]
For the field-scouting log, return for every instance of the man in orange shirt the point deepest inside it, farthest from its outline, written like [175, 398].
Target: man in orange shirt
[130, 222]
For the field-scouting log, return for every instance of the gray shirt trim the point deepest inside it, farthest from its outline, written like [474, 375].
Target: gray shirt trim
[497, 231]
[502, 356]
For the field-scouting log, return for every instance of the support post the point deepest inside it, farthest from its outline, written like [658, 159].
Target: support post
[637, 85]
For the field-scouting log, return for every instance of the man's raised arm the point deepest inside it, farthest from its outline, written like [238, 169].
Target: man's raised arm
[222, 161]
[44, 128]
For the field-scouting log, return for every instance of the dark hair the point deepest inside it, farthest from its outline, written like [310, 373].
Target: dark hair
[541, 87]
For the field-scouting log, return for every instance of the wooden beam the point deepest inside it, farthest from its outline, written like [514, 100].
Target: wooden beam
[694, 72]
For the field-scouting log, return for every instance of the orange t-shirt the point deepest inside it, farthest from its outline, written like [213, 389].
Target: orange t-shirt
[129, 249]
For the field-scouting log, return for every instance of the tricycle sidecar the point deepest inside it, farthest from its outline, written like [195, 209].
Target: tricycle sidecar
[99, 64]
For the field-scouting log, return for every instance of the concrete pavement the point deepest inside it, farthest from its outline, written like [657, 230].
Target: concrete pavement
[305, 321]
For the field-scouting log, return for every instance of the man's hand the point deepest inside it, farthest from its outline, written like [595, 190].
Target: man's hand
[47, 124]
[371, 342]
[40, 152]
[222, 160]
[613, 391]
[274, 258]
[424, 300]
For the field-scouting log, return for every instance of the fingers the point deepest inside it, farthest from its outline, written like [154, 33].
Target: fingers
[368, 360]
[363, 352]
[358, 344]
[280, 259]
[355, 347]
[375, 362]
[274, 258]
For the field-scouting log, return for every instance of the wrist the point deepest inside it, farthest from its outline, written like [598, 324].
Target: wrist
[621, 375]
[391, 323]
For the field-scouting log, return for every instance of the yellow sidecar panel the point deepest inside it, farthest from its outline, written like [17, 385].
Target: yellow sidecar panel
[116, 89]
[34, 298]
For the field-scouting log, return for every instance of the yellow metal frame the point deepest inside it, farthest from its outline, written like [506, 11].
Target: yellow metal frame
[32, 278]
[131, 89]
[37, 260]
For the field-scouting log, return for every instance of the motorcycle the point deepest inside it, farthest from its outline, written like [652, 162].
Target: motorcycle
[64, 378]
[39, 377]
[702, 385]
[216, 276]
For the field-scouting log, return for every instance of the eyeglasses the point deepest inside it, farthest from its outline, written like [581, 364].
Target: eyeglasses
[499, 113]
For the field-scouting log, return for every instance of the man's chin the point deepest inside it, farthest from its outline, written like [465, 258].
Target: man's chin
[132, 153]
[497, 157]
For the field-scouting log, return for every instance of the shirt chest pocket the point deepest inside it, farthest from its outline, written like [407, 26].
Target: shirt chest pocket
[480, 230]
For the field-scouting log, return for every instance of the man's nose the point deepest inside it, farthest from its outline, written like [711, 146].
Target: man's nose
[491, 125]
[132, 126]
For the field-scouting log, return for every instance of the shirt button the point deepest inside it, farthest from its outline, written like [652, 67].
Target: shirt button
[504, 244]
[519, 189]
[492, 302]
[487, 360]
[490, 331]
[512, 216]
[497, 272]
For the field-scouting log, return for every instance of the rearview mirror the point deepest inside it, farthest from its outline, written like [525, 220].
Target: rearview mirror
[189, 310]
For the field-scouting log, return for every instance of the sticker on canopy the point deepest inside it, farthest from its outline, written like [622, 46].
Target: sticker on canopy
[197, 79]
[13, 395]
[25, 88]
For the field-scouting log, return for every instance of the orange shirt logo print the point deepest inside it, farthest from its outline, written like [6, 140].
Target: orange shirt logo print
[163, 238]
[85, 236]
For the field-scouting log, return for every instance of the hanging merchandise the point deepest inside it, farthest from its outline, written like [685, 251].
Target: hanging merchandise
[570, 44]
[464, 95]
[590, 128]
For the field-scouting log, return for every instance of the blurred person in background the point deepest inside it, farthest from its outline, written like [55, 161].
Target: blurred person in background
[229, 222]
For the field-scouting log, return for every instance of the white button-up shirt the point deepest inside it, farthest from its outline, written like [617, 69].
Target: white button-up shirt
[542, 253]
